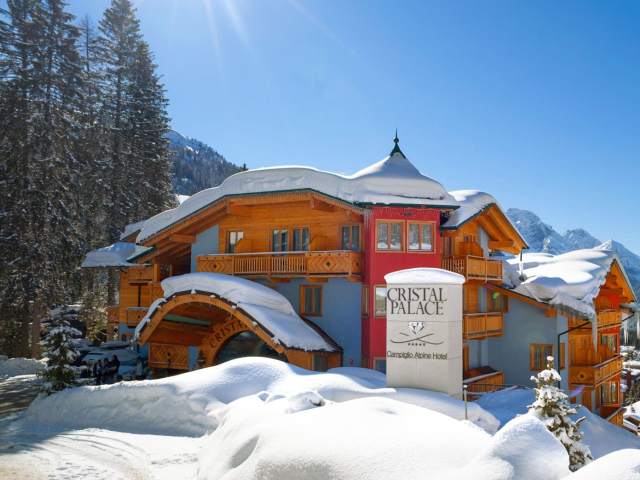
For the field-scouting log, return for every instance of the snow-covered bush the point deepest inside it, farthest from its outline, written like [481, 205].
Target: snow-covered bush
[553, 408]
[60, 352]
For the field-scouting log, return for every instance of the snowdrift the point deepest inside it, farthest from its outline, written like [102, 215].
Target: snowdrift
[601, 436]
[191, 404]
[276, 438]
[20, 366]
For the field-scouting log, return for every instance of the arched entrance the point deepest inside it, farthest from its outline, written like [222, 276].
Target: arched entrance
[222, 330]
[246, 344]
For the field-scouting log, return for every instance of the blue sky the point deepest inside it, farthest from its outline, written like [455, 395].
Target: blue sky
[537, 103]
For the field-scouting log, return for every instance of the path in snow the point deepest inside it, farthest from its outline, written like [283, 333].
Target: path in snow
[97, 454]
[16, 393]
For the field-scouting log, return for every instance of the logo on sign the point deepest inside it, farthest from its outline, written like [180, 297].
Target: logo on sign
[416, 336]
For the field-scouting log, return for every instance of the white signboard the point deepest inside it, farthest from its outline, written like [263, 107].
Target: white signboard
[424, 330]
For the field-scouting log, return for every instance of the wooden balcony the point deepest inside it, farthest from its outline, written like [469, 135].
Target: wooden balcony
[595, 374]
[475, 268]
[140, 274]
[482, 325]
[609, 318]
[484, 382]
[286, 264]
[134, 315]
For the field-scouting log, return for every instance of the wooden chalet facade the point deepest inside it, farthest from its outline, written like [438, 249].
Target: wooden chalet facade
[327, 255]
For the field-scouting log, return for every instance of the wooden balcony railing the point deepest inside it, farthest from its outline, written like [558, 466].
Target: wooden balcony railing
[482, 325]
[475, 268]
[595, 374]
[134, 315]
[328, 263]
[609, 318]
[140, 274]
[489, 382]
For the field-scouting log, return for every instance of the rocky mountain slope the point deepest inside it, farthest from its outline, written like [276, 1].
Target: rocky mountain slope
[196, 166]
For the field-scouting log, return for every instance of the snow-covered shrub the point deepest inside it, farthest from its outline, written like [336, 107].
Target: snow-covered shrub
[553, 408]
[60, 352]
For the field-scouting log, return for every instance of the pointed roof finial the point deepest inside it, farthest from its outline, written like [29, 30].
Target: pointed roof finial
[396, 147]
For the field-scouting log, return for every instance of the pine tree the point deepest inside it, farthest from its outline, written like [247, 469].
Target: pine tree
[60, 353]
[38, 236]
[553, 408]
[93, 313]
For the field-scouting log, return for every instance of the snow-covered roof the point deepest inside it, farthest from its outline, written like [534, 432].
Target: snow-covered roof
[393, 180]
[571, 280]
[412, 276]
[115, 255]
[268, 308]
[471, 202]
[131, 229]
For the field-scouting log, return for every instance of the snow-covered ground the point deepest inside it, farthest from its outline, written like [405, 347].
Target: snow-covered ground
[19, 366]
[260, 418]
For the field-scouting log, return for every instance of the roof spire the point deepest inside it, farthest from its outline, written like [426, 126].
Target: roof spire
[396, 147]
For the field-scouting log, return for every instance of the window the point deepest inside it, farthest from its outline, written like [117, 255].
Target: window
[232, 240]
[311, 300]
[538, 353]
[380, 301]
[562, 355]
[350, 237]
[280, 242]
[497, 302]
[380, 364]
[610, 342]
[301, 239]
[420, 237]
[364, 307]
[608, 393]
[389, 236]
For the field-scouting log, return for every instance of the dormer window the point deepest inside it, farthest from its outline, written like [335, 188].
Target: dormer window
[389, 236]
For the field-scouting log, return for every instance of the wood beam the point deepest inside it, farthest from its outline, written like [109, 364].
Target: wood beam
[500, 244]
[238, 210]
[182, 238]
[317, 204]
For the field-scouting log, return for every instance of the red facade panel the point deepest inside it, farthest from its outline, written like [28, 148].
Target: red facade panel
[377, 263]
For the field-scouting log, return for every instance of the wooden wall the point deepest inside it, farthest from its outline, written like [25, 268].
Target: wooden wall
[258, 222]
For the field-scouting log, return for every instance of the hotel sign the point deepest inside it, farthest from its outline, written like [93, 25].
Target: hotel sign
[424, 330]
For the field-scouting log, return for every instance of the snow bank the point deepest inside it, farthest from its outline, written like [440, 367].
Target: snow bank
[192, 403]
[393, 180]
[267, 307]
[115, 255]
[20, 366]
[303, 436]
[619, 465]
[571, 280]
[601, 436]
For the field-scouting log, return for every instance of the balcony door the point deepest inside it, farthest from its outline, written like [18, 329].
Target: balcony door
[280, 240]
